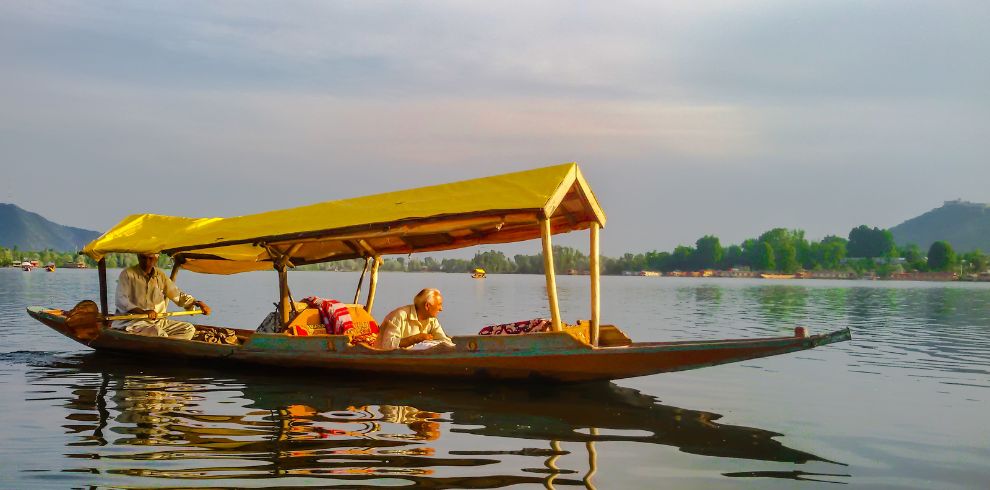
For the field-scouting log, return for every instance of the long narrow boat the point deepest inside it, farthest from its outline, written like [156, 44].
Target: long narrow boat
[500, 209]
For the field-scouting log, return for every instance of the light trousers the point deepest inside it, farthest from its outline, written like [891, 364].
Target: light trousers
[162, 327]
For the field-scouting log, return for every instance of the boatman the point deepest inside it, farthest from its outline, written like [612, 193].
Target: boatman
[411, 324]
[145, 289]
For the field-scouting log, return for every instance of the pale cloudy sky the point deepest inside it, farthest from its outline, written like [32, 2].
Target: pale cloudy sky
[688, 118]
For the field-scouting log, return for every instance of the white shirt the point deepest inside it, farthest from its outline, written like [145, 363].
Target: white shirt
[404, 322]
[136, 290]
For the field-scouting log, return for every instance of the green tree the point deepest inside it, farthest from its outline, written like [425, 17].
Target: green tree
[828, 253]
[658, 261]
[682, 258]
[867, 242]
[392, 265]
[492, 261]
[455, 265]
[733, 257]
[784, 244]
[941, 257]
[567, 258]
[707, 252]
[785, 257]
[529, 264]
[415, 265]
[764, 259]
[914, 257]
[976, 261]
[752, 250]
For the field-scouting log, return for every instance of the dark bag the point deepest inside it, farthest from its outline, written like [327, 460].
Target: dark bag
[270, 324]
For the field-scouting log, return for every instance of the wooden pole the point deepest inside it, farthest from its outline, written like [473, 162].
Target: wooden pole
[551, 277]
[357, 292]
[373, 285]
[596, 303]
[175, 270]
[283, 293]
[102, 268]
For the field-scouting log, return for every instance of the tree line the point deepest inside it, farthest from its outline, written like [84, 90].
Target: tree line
[780, 250]
[9, 256]
[787, 251]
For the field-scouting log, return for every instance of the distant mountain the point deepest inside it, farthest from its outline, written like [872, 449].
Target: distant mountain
[31, 231]
[965, 225]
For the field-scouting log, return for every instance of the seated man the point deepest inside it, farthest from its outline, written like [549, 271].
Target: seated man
[412, 324]
[145, 289]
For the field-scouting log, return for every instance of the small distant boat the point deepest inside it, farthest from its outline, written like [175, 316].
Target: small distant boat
[27, 265]
[50, 267]
[777, 276]
[478, 273]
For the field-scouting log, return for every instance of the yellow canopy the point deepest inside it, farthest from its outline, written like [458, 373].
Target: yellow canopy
[500, 209]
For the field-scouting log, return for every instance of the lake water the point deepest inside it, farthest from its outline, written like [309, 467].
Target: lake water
[906, 404]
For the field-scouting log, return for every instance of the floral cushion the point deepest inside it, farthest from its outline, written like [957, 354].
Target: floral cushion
[518, 328]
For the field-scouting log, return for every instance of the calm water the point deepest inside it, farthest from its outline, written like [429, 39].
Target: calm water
[904, 405]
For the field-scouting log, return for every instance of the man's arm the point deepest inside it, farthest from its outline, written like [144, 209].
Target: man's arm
[182, 299]
[439, 334]
[175, 294]
[414, 339]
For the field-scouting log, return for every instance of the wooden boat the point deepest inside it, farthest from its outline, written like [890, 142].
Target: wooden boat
[777, 276]
[50, 267]
[478, 273]
[506, 208]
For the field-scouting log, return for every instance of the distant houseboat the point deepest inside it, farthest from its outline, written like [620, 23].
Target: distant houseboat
[777, 276]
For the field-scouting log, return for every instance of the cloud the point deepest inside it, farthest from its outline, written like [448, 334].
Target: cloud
[725, 117]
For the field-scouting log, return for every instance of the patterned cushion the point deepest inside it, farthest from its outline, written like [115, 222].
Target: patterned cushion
[518, 328]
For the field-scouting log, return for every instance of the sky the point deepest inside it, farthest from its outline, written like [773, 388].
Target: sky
[687, 118]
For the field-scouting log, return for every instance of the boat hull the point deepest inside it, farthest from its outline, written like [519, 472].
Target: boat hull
[556, 356]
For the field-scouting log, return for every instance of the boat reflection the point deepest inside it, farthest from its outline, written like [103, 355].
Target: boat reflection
[194, 423]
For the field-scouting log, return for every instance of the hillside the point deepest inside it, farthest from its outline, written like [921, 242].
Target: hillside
[965, 225]
[31, 231]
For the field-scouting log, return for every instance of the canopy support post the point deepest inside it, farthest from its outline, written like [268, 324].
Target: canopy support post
[283, 293]
[593, 263]
[281, 262]
[373, 285]
[550, 275]
[176, 265]
[102, 268]
[357, 292]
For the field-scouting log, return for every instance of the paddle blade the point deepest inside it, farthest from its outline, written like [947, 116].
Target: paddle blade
[83, 321]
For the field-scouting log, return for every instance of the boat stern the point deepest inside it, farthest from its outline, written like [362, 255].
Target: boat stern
[82, 323]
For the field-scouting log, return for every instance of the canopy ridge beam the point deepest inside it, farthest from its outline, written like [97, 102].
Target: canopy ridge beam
[377, 230]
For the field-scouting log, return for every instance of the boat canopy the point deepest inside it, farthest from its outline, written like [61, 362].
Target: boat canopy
[499, 209]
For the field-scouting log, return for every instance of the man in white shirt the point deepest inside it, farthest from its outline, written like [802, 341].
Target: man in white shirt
[145, 289]
[411, 324]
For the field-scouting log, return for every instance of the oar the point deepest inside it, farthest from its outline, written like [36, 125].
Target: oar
[141, 316]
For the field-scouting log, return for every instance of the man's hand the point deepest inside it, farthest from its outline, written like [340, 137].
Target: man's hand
[414, 339]
[152, 314]
[203, 306]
